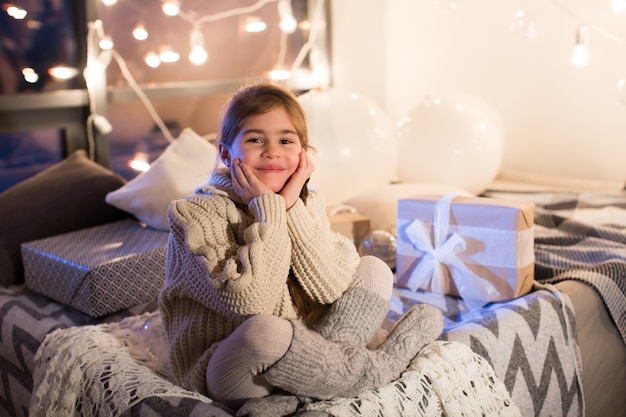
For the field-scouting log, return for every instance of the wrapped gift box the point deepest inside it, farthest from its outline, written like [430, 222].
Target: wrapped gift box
[98, 270]
[351, 225]
[481, 249]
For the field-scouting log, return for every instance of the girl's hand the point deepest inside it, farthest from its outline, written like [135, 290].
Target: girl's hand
[291, 190]
[245, 183]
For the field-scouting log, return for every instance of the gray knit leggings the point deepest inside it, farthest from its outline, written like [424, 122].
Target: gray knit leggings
[233, 373]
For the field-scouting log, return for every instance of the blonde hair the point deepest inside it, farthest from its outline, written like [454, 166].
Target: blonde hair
[258, 99]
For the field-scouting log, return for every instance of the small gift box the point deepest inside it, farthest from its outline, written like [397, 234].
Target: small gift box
[481, 249]
[98, 270]
[351, 225]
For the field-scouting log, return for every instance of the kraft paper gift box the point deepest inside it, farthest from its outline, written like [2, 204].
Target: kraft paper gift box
[351, 225]
[98, 270]
[478, 248]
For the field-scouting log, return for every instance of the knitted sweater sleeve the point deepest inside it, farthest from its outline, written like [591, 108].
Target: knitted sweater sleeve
[323, 261]
[223, 265]
[229, 261]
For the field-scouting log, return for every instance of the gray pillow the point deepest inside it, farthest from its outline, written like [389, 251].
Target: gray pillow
[68, 196]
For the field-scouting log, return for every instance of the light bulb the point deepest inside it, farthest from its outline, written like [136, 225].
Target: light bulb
[618, 6]
[61, 72]
[621, 90]
[106, 43]
[171, 7]
[30, 76]
[196, 38]
[152, 60]
[279, 74]
[288, 23]
[448, 4]
[524, 24]
[168, 54]
[109, 2]
[580, 54]
[140, 33]
[255, 24]
[198, 55]
[16, 13]
[139, 162]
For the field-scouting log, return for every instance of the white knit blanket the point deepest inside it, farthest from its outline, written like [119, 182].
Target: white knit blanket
[101, 371]
[444, 379]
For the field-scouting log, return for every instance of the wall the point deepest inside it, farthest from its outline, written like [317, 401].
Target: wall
[558, 120]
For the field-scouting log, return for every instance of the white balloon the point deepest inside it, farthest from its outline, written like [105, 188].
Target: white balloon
[455, 140]
[355, 142]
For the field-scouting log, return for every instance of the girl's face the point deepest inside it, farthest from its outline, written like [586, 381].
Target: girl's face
[269, 145]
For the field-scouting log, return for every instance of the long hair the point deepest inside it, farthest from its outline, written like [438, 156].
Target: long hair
[259, 99]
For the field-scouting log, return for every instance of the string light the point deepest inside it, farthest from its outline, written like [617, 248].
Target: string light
[106, 43]
[171, 7]
[140, 33]
[288, 23]
[168, 54]
[15, 12]
[62, 72]
[255, 24]
[621, 90]
[279, 74]
[140, 162]
[580, 54]
[197, 55]
[30, 76]
[523, 23]
[152, 60]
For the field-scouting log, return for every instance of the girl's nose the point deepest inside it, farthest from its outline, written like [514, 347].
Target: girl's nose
[271, 150]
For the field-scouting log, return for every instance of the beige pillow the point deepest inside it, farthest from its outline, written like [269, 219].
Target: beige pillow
[184, 165]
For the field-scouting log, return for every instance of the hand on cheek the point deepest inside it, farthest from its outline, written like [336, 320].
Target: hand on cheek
[291, 190]
[245, 183]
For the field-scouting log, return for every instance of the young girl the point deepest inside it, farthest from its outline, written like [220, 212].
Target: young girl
[260, 293]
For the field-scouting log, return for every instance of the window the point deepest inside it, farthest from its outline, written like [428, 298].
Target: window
[147, 87]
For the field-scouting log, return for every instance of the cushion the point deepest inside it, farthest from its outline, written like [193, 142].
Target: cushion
[68, 196]
[184, 165]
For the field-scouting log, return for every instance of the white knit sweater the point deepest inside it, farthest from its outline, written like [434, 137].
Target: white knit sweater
[227, 261]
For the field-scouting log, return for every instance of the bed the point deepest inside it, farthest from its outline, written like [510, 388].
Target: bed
[558, 351]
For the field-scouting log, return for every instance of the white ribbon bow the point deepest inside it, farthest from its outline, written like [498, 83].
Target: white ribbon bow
[443, 254]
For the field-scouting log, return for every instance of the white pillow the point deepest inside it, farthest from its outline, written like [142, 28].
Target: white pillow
[381, 204]
[184, 165]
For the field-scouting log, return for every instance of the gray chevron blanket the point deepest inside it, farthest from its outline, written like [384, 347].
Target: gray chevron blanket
[581, 236]
[530, 342]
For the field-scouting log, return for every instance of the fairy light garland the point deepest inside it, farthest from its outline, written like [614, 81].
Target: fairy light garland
[101, 47]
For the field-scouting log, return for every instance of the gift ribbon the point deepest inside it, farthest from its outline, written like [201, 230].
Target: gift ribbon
[443, 254]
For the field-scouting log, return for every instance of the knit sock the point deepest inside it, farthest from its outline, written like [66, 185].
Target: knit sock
[354, 317]
[419, 326]
[319, 368]
[274, 405]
